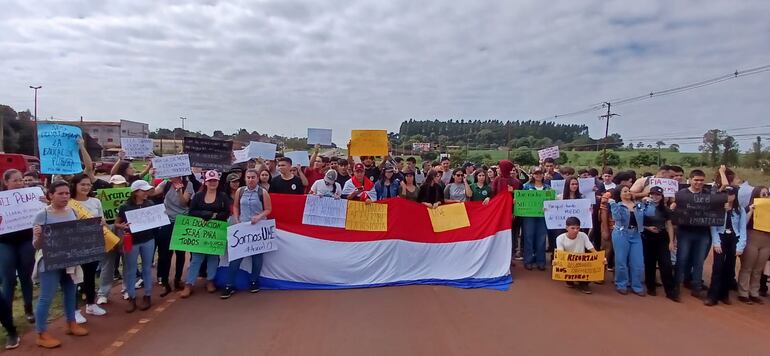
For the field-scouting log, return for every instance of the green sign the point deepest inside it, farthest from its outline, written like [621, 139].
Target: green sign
[197, 235]
[529, 203]
[112, 199]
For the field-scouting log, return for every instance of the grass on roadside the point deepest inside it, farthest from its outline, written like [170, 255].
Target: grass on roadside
[57, 310]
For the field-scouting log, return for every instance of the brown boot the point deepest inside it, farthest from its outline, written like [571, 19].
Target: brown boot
[186, 292]
[47, 341]
[146, 304]
[131, 305]
[210, 287]
[74, 329]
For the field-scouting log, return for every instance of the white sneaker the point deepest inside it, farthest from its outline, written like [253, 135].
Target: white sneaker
[93, 309]
[125, 295]
[102, 300]
[79, 318]
[139, 284]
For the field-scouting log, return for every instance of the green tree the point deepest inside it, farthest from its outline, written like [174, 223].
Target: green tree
[643, 158]
[673, 147]
[730, 151]
[612, 159]
[712, 142]
[524, 157]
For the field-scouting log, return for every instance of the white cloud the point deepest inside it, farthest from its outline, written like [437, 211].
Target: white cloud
[282, 66]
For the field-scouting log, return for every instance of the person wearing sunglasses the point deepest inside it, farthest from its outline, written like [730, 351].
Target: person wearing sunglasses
[454, 192]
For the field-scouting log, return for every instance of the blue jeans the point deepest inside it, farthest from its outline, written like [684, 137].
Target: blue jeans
[16, 259]
[130, 265]
[534, 231]
[256, 268]
[196, 260]
[49, 281]
[691, 247]
[629, 259]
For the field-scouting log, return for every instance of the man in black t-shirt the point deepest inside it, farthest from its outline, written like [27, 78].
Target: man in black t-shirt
[287, 182]
[342, 171]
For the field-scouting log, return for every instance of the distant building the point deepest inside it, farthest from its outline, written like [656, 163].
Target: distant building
[108, 133]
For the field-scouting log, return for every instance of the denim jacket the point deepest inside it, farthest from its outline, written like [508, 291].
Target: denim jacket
[382, 190]
[622, 217]
[530, 186]
[740, 221]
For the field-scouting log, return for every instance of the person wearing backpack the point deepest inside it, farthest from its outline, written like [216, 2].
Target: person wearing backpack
[252, 204]
[176, 193]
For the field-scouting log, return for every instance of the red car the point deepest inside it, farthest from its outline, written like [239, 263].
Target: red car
[105, 165]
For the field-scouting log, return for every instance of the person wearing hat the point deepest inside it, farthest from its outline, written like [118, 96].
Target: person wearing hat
[328, 186]
[657, 246]
[728, 242]
[359, 187]
[233, 184]
[208, 204]
[118, 181]
[142, 244]
[387, 186]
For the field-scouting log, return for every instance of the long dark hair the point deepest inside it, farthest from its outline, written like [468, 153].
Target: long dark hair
[122, 168]
[566, 195]
[76, 179]
[430, 178]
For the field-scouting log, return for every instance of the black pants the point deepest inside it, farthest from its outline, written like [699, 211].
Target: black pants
[6, 318]
[656, 253]
[516, 235]
[163, 242]
[723, 270]
[88, 287]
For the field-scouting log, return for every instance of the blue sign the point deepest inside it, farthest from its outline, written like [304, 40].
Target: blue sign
[59, 151]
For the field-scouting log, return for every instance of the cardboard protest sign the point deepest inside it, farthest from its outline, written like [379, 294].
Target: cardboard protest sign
[72, 243]
[744, 194]
[557, 212]
[557, 185]
[298, 157]
[240, 156]
[529, 203]
[172, 166]
[369, 143]
[209, 154]
[366, 217]
[701, 209]
[246, 239]
[18, 208]
[136, 147]
[193, 234]
[449, 217]
[147, 218]
[578, 267]
[112, 199]
[323, 211]
[59, 151]
[670, 186]
[319, 136]
[762, 214]
[262, 150]
[550, 152]
[586, 187]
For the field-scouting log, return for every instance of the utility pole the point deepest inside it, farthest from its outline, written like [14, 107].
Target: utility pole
[183, 119]
[34, 136]
[606, 132]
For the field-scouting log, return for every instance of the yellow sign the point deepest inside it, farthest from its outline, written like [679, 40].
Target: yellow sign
[449, 217]
[578, 267]
[762, 214]
[110, 239]
[366, 217]
[369, 143]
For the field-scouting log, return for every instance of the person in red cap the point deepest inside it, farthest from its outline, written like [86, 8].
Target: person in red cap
[359, 187]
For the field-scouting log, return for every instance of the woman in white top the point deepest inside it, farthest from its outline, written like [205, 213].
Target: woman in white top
[328, 186]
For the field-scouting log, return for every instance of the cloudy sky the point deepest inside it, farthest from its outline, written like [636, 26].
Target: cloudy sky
[280, 66]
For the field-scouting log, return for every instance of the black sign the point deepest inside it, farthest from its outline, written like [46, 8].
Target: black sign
[700, 209]
[72, 243]
[209, 154]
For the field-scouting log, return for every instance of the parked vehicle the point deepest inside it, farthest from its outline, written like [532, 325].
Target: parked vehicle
[105, 165]
[17, 161]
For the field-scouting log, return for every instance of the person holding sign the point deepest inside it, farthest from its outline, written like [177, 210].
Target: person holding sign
[728, 242]
[575, 241]
[328, 186]
[125, 169]
[210, 204]
[755, 254]
[431, 194]
[534, 228]
[251, 204]
[657, 246]
[16, 255]
[176, 193]
[140, 244]
[629, 218]
[454, 192]
[359, 187]
[50, 280]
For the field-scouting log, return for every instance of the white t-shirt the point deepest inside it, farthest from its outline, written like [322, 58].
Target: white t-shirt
[320, 188]
[94, 206]
[579, 245]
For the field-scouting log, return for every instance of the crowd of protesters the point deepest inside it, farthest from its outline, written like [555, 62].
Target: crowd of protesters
[632, 221]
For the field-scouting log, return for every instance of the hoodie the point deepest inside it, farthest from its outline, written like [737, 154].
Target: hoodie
[501, 183]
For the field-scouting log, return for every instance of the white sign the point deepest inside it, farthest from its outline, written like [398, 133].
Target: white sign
[744, 194]
[421, 146]
[261, 150]
[298, 157]
[18, 208]
[147, 218]
[319, 136]
[172, 166]
[247, 239]
[137, 147]
[325, 211]
[240, 156]
[550, 152]
[587, 186]
[558, 186]
[557, 212]
[670, 186]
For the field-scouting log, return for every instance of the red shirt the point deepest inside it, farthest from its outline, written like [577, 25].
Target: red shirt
[312, 175]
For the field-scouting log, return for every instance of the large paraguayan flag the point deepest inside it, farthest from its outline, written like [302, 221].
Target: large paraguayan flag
[409, 252]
